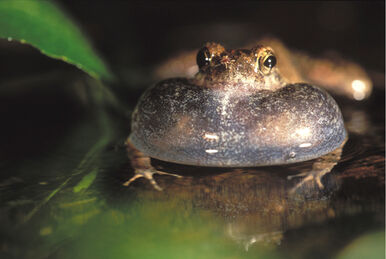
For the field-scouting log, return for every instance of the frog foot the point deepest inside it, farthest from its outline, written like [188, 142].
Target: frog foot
[309, 177]
[148, 174]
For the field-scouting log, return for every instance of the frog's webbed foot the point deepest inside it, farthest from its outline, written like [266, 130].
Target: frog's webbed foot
[142, 166]
[148, 174]
[321, 167]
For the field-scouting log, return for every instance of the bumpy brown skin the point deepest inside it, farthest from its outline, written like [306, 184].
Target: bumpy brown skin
[237, 111]
[331, 72]
[240, 71]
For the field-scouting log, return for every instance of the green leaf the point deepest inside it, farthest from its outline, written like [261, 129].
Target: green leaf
[43, 25]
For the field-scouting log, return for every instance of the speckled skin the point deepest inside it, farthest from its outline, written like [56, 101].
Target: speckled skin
[236, 112]
[180, 122]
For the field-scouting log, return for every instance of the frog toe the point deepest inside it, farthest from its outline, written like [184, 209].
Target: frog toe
[148, 174]
[310, 178]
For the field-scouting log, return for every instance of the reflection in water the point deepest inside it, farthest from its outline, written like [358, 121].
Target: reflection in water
[145, 229]
[248, 241]
[257, 205]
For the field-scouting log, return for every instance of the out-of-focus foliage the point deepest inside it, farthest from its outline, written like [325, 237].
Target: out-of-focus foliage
[367, 246]
[152, 230]
[44, 25]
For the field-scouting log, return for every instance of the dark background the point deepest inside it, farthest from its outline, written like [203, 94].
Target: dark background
[145, 33]
[135, 37]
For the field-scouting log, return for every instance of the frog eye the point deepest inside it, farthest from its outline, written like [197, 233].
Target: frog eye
[203, 57]
[270, 62]
[265, 62]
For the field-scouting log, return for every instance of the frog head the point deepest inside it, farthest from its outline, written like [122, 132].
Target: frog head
[238, 69]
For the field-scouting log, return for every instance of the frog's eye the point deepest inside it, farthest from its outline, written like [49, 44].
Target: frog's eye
[270, 62]
[203, 57]
[266, 62]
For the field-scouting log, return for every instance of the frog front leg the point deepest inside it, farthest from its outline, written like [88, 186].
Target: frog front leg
[142, 166]
[322, 166]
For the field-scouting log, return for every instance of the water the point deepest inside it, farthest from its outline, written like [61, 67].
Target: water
[62, 194]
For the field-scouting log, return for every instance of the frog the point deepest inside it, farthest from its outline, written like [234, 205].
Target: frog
[340, 76]
[237, 111]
